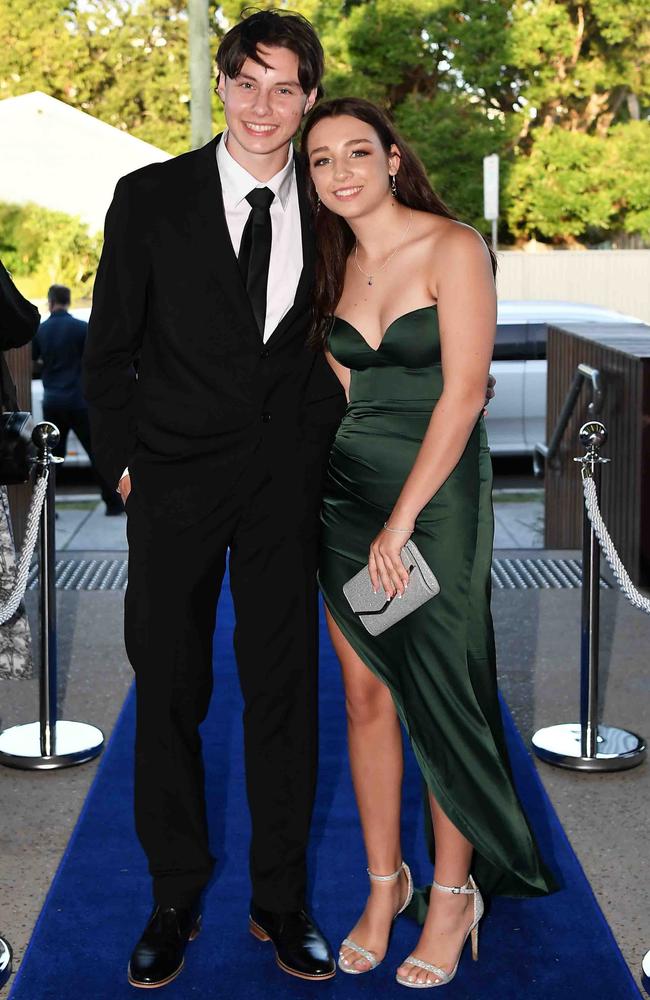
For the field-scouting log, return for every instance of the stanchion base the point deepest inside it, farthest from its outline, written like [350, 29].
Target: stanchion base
[617, 749]
[74, 743]
[645, 972]
[5, 962]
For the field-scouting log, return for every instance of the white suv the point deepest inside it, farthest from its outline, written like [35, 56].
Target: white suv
[516, 418]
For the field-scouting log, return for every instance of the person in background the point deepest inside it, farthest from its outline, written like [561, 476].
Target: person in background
[59, 345]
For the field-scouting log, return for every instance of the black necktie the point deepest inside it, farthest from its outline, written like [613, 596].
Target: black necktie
[255, 251]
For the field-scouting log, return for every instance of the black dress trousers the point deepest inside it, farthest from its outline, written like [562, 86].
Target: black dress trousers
[78, 421]
[175, 575]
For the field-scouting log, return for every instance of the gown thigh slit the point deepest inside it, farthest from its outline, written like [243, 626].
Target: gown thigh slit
[439, 662]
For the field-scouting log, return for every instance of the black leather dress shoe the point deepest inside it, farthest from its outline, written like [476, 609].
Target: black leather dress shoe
[159, 955]
[300, 947]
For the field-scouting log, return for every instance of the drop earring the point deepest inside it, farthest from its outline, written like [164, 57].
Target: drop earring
[317, 204]
[393, 185]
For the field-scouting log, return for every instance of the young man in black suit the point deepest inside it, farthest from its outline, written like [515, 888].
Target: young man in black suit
[220, 443]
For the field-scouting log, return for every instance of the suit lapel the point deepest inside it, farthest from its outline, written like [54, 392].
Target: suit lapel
[305, 286]
[304, 289]
[222, 262]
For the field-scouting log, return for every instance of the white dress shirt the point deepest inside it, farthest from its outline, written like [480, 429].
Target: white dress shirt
[285, 266]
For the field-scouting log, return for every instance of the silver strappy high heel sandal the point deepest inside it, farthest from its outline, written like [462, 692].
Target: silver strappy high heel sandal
[363, 952]
[469, 889]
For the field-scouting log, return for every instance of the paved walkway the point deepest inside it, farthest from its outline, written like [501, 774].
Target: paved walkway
[83, 526]
[518, 519]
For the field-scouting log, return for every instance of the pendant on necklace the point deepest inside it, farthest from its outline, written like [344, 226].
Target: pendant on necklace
[370, 279]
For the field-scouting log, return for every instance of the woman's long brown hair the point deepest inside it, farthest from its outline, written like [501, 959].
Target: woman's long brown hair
[334, 238]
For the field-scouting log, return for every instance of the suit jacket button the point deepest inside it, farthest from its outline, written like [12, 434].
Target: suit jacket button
[266, 418]
[265, 353]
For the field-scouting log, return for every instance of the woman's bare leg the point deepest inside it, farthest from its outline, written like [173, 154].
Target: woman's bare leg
[375, 746]
[449, 915]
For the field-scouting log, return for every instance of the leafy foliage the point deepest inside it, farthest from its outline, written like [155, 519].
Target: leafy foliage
[452, 143]
[561, 187]
[630, 175]
[124, 62]
[41, 248]
[560, 88]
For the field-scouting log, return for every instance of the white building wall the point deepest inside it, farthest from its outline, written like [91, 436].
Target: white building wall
[64, 159]
[615, 279]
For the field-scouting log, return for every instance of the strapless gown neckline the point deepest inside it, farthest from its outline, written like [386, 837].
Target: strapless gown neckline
[394, 322]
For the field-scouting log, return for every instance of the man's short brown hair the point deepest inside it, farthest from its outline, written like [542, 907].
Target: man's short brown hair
[58, 295]
[274, 28]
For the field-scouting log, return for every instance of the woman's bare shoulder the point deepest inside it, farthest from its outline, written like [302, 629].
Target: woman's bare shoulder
[447, 246]
[453, 234]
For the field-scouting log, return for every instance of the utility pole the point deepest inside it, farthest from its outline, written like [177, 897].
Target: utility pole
[200, 73]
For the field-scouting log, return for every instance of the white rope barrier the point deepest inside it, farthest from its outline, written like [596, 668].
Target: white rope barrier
[12, 603]
[609, 549]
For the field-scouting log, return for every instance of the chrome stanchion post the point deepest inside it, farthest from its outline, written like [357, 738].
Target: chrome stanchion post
[48, 743]
[593, 436]
[589, 746]
[46, 438]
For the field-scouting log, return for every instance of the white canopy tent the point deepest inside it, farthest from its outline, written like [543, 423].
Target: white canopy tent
[64, 159]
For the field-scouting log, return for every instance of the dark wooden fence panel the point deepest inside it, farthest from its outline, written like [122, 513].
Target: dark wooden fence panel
[622, 354]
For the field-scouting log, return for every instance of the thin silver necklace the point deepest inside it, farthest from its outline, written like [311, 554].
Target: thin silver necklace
[371, 277]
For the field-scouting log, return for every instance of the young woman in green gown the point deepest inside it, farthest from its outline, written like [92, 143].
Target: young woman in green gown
[405, 308]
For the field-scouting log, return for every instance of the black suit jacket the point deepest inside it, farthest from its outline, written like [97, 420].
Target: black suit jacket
[169, 300]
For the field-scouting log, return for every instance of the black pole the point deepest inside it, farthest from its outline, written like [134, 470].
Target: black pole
[48, 677]
[47, 437]
[590, 625]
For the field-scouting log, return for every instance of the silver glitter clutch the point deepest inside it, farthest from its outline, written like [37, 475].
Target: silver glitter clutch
[374, 611]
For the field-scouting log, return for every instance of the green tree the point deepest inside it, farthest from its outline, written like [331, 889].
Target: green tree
[41, 248]
[629, 175]
[582, 64]
[123, 62]
[584, 73]
[561, 187]
[533, 80]
[451, 138]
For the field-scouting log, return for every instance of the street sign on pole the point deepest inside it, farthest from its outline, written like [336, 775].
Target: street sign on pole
[491, 193]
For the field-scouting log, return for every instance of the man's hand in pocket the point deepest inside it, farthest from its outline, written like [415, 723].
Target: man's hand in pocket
[124, 487]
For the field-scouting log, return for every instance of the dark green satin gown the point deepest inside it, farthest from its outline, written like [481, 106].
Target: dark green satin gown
[438, 662]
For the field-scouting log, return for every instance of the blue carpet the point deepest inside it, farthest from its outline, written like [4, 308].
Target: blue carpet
[546, 948]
